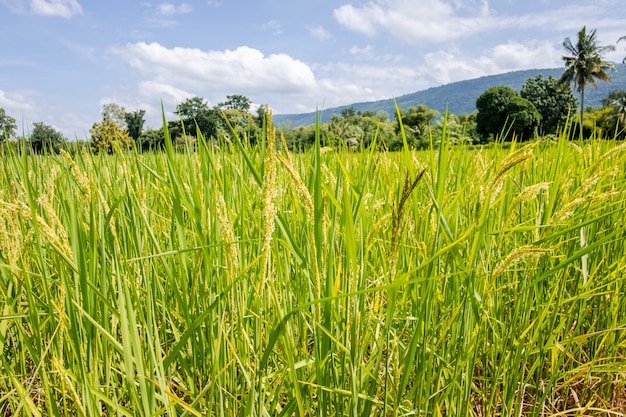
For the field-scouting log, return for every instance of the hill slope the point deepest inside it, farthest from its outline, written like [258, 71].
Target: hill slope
[460, 97]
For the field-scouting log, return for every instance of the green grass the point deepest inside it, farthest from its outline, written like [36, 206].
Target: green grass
[247, 281]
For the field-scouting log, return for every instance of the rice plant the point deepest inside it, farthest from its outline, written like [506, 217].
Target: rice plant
[232, 280]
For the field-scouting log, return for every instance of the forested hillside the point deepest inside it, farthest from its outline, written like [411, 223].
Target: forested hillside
[460, 97]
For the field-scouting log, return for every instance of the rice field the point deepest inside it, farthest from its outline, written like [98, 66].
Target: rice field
[231, 280]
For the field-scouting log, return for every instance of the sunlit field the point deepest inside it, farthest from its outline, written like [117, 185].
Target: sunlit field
[231, 280]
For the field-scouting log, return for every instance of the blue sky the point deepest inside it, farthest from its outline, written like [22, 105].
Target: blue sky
[61, 60]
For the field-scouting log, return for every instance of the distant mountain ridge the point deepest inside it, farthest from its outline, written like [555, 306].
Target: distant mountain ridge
[460, 97]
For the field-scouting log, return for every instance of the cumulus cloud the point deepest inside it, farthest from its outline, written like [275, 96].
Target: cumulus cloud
[53, 8]
[443, 67]
[415, 21]
[288, 85]
[168, 9]
[242, 68]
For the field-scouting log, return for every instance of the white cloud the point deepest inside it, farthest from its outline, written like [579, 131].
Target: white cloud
[57, 8]
[444, 67]
[16, 102]
[416, 21]
[318, 32]
[242, 68]
[154, 91]
[27, 107]
[214, 3]
[169, 9]
[514, 56]
[288, 85]
[172, 75]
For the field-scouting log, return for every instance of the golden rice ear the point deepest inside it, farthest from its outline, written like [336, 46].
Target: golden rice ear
[80, 178]
[518, 255]
[227, 235]
[303, 191]
[268, 195]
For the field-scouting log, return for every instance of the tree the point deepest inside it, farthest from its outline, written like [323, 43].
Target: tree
[114, 112]
[348, 112]
[584, 64]
[134, 123]
[623, 38]
[553, 102]
[501, 110]
[45, 138]
[615, 105]
[107, 135]
[236, 102]
[261, 114]
[416, 122]
[240, 123]
[7, 126]
[196, 112]
[151, 139]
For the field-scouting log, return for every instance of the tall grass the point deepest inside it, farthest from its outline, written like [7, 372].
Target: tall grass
[248, 281]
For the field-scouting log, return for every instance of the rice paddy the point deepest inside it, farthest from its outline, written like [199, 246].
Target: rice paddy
[231, 280]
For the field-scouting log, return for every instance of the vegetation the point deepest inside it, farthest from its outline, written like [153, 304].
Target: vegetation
[501, 110]
[389, 267]
[239, 280]
[134, 123]
[584, 64]
[107, 136]
[7, 126]
[554, 103]
[45, 138]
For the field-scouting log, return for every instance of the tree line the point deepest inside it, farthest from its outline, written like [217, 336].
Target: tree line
[541, 108]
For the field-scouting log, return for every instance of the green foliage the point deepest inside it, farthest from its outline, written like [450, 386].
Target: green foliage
[459, 130]
[417, 122]
[45, 138]
[239, 123]
[134, 123]
[236, 102]
[7, 126]
[195, 115]
[115, 113]
[553, 102]
[585, 63]
[252, 281]
[107, 136]
[261, 115]
[300, 138]
[151, 139]
[502, 111]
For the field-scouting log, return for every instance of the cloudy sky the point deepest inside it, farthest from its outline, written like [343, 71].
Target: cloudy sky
[61, 60]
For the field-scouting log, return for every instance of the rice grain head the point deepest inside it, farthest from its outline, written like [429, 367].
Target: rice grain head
[78, 175]
[303, 191]
[227, 234]
[518, 255]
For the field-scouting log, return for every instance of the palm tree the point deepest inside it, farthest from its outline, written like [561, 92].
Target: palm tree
[623, 38]
[585, 64]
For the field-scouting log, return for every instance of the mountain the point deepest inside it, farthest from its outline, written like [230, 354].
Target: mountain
[460, 97]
